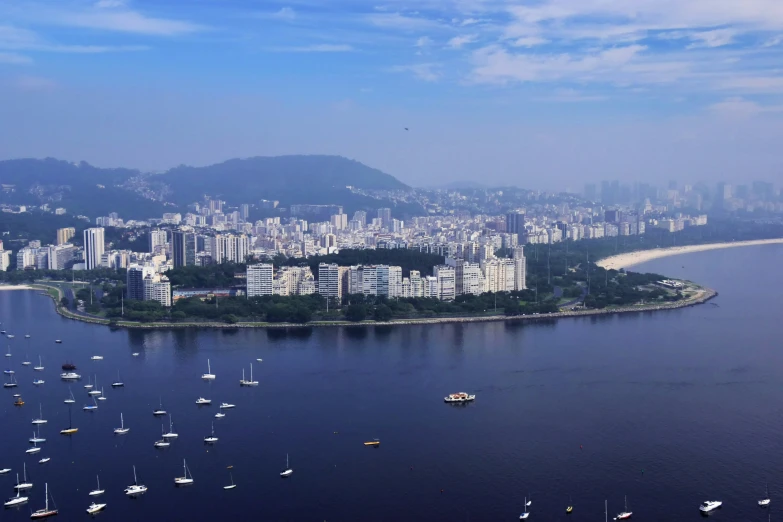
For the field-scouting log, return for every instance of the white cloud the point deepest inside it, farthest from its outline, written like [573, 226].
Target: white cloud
[714, 38]
[315, 48]
[754, 84]
[125, 21]
[529, 41]
[285, 13]
[109, 4]
[401, 22]
[15, 59]
[428, 72]
[469, 21]
[34, 83]
[424, 41]
[772, 42]
[459, 41]
[742, 108]
[16, 39]
[570, 96]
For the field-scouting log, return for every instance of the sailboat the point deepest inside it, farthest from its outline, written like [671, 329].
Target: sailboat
[70, 430]
[34, 449]
[94, 406]
[40, 366]
[40, 419]
[136, 489]
[44, 460]
[97, 492]
[232, 485]
[70, 400]
[570, 506]
[524, 514]
[95, 391]
[251, 382]
[122, 430]
[606, 511]
[88, 386]
[23, 485]
[209, 376]
[625, 514]
[8, 353]
[162, 443]
[211, 439]
[288, 471]
[159, 411]
[171, 433]
[118, 383]
[102, 396]
[18, 500]
[187, 478]
[4, 471]
[11, 384]
[35, 439]
[765, 501]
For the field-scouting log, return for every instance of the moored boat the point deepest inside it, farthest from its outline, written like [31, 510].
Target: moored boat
[459, 397]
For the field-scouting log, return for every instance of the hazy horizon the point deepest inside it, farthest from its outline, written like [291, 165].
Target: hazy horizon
[545, 95]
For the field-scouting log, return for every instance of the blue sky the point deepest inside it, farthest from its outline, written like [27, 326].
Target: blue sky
[543, 93]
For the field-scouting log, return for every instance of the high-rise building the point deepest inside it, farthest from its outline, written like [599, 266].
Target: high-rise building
[60, 255]
[472, 279]
[417, 287]
[520, 269]
[613, 215]
[94, 245]
[395, 281]
[157, 240]
[515, 222]
[329, 280]
[64, 235]
[259, 279]
[157, 288]
[339, 221]
[446, 282]
[244, 211]
[499, 275]
[183, 248]
[134, 281]
[5, 260]
[361, 217]
[229, 248]
[384, 214]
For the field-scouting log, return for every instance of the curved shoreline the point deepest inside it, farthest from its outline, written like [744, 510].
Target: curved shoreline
[700, 295]
[630, 259]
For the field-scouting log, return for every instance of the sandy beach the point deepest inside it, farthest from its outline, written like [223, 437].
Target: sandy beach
[635, 258]
[16, 287]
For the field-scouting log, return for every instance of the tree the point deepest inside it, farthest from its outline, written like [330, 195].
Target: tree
[230, 319]
[356, 313]
[301, 315]
[382, 313]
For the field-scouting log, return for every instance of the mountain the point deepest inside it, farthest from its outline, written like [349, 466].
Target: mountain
[84, 189]
[289, 179]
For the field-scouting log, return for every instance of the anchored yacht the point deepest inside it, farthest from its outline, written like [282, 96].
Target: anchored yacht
[459, 397]
[709, 505]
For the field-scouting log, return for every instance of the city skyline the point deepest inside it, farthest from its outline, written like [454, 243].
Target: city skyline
[541, 94]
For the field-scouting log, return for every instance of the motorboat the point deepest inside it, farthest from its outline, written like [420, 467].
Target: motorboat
[287, 472]
[95, 508]
[459, 397]
[201, 401]
[227, 406]
[18, 401]
[68, 366]
[58, 341]
[70, 376]
[135, 489]
[709, 505]
[38, 382]
[97, 492]
[27, 336]
[44, 460]
[187, 478]
[374, 443]
[122, 430]
[96, 358]
[219, 415]
[211, 439]
[209, 376]
[135, 354]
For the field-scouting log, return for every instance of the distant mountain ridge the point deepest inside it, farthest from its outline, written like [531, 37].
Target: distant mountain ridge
[93, 191]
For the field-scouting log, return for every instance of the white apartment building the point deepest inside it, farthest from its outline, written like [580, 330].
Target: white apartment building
[417, 286]
[445, 277]
[294, 280]
[499, 275]
[520, 268]
[158, 240]
[94, 245]
[157, 288]
[259, 279]
[5, 260]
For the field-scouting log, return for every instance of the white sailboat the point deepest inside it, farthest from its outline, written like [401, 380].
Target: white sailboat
[23, 485]
[38, 382]
[34, 449]
[122, 430]
[88, 386]
[211, 439]
[94, 406]
[11, 383]
[764, 502]
[102, 396]
[162, 443]
[118, 383]
[287, 472]
[187, 478]
[4, 471]
[36, 439]
[625, 515]
[8, 353]
[95, 391]
[40, 419]
[251, 382]
[135, 489]
[40, 366]
[44, 460]
[18, 500]
[98, 491]
[70, 400]
[529, 501]
[171, 433]
[159, 411]
[209, 376]
[525, 513]
[232, 485]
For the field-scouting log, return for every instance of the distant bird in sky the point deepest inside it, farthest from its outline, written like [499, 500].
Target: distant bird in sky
[406, 128]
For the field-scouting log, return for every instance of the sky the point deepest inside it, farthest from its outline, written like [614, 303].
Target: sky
[545, 94]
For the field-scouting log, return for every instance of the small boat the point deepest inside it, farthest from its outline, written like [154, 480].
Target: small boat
[102, 396]
[34, 449]
[8, 353]
[58, 341]
[227, 406]
[201, 401]
[187, 478]
[459, 397]
[70, 400]
[219, 415]
[88, 386]
[118, 383]
[94, 390]
[97, 492]
[122, 430]
[44, 460]
[88, 407]
[26, 363]
[70, 376]
[12, 383]
[260, 360]
[68, 366]
[135, 354]
[38, 382]
[96, 358]
[211, 439]
[4, 471]
[10, 336]
[764, 502]
[37, 439]
[27, 336]
[40, 419]
[251, 382]
[625, 515]
[70, 430]
[40, 366]
[570, 507]
[18, 500]
[287, 472]
[9, 372]
[709, 505]
[22, 486]
[18, 402]
[375, 443]
[524, 514]
[171, 434]
[159, 411]
[209, 376]
[135, 489]
[162, 443]
[232, 485]
[95, 508]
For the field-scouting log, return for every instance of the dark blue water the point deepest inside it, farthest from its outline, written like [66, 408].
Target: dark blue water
[669, 408]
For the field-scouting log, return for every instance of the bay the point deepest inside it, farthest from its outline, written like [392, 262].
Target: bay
[669, 408]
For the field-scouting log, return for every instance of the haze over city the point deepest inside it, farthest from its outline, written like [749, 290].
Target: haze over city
[542, 94]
